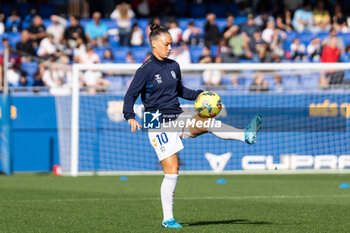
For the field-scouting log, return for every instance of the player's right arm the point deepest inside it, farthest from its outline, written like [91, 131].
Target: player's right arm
[134, 90]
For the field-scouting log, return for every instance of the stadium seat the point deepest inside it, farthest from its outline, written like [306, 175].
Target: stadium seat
[46, 10]
[120, 53]
[143, 23]
[234, 9]
[14, 38]
[116, 82]
[214, 50]
[200, 24]
[219, 9]
[221, 22]
[240, 19]
[111, 23]
[198, 10]
[113, 40]
[47, 22]
[196, 52]
[306, 37]
[30, 68]
[345, 37]
[83, 22]
[192, 81]
[310, 81]
[183, 22]
[140, 53]
[100, 51]
[290, 81]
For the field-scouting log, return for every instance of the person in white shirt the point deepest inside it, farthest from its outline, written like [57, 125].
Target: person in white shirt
[90, 57]
[136, 36]
[181, 55]
[47, 47]
[192, 34]
[57, 28]
[123, 14]
[175, 32]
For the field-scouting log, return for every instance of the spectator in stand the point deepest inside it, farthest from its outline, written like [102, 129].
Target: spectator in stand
[302, 20]
[181, 55]
[28, 19]
[155, 20]
[297, 50]
[94, 81]
[57, 28]
[339, 20]
[275, 38]
[2, 25]
[96, 31]
[192, 34]
[74, 31]
[230, 20]
[123, 14]
[47, 48]
[321, 18]
[130, 58]
[211, 31]
[206, 56]
[284, 20]
[259, 84]
[340, 42]
[262, 20]
[265, 54]
[212, 77]
[254, 46]
[346, 56]
[90, 57]
[331, 53]
[236, 41]
[25, 47]
[37, 30]
[278, 83]
[38, 79]
[175, 32]
[248, 28]
[225, 52]
[314, 50]
[80, 49]
[108, 56]
[13, 21]
[136, 36]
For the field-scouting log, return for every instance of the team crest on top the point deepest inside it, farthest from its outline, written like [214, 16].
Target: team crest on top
[158, 78]
[173, 74]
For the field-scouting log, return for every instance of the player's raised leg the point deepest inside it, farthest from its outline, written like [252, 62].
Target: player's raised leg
[226, 132]
[167, 190]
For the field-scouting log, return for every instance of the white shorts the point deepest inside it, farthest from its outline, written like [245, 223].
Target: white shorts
[168, 142]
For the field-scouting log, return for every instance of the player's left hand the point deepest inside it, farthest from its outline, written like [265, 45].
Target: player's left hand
[134, 124]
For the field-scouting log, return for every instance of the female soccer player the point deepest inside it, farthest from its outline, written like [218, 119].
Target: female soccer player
[158, 81]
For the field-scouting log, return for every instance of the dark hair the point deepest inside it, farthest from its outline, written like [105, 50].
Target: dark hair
[156, 30]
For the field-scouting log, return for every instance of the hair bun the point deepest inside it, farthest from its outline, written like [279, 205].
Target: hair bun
[154, 26]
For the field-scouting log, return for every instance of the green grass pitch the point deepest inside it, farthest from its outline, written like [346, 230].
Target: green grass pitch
[246, 203]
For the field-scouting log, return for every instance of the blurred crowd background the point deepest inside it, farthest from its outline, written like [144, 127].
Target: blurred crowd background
[45, 39]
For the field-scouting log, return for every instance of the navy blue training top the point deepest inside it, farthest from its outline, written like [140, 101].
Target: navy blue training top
[159, 83]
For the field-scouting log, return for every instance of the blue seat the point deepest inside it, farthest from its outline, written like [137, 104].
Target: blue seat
[192, 81]
[30, 68]
[310, 80]
[234, 9]
[120, 53]
[196, 52]
[306, 37]
[111, 23]
[221, 22]
[345, 37]
[198, 10]
[200, 24]
[214, 50]
[219, 9]
[100, 51]
[240, 19]
[46, 10]
[116, 82]
[140, 53]
[143, 23]
[289, 81]
[183, 22]
[14, 38]
[47, 22]
[83, 22]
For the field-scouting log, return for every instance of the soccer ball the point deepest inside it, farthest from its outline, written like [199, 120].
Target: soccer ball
[208, 104]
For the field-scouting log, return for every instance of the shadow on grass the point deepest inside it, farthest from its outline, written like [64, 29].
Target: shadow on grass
[233, 221]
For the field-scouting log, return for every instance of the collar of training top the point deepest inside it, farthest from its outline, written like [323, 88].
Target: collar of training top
[159, 61]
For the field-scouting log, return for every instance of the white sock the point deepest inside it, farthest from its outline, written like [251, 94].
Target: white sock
[167, 192]
[228, 132]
